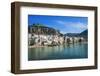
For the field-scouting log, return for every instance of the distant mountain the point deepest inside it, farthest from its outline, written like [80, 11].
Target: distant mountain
[82, 34]
[72, 34]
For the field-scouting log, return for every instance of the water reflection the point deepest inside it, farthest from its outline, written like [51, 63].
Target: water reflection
[66, 51]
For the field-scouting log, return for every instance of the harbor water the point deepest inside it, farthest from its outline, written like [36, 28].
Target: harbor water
[65, 51]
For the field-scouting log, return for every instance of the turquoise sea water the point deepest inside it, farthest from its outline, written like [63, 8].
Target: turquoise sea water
[65, 51]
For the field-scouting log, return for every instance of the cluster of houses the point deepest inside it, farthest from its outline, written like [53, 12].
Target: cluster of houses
[50, 37]
[51, 40]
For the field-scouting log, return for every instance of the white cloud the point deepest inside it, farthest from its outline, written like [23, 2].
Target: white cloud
[72, 27]
[77, 25]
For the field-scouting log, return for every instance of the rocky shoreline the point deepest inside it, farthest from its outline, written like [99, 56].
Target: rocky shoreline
[40, 36]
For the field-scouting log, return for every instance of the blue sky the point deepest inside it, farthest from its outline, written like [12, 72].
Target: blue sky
[66, 24]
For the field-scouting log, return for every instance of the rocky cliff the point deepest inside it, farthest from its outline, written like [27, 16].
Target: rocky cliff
[42, 29]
